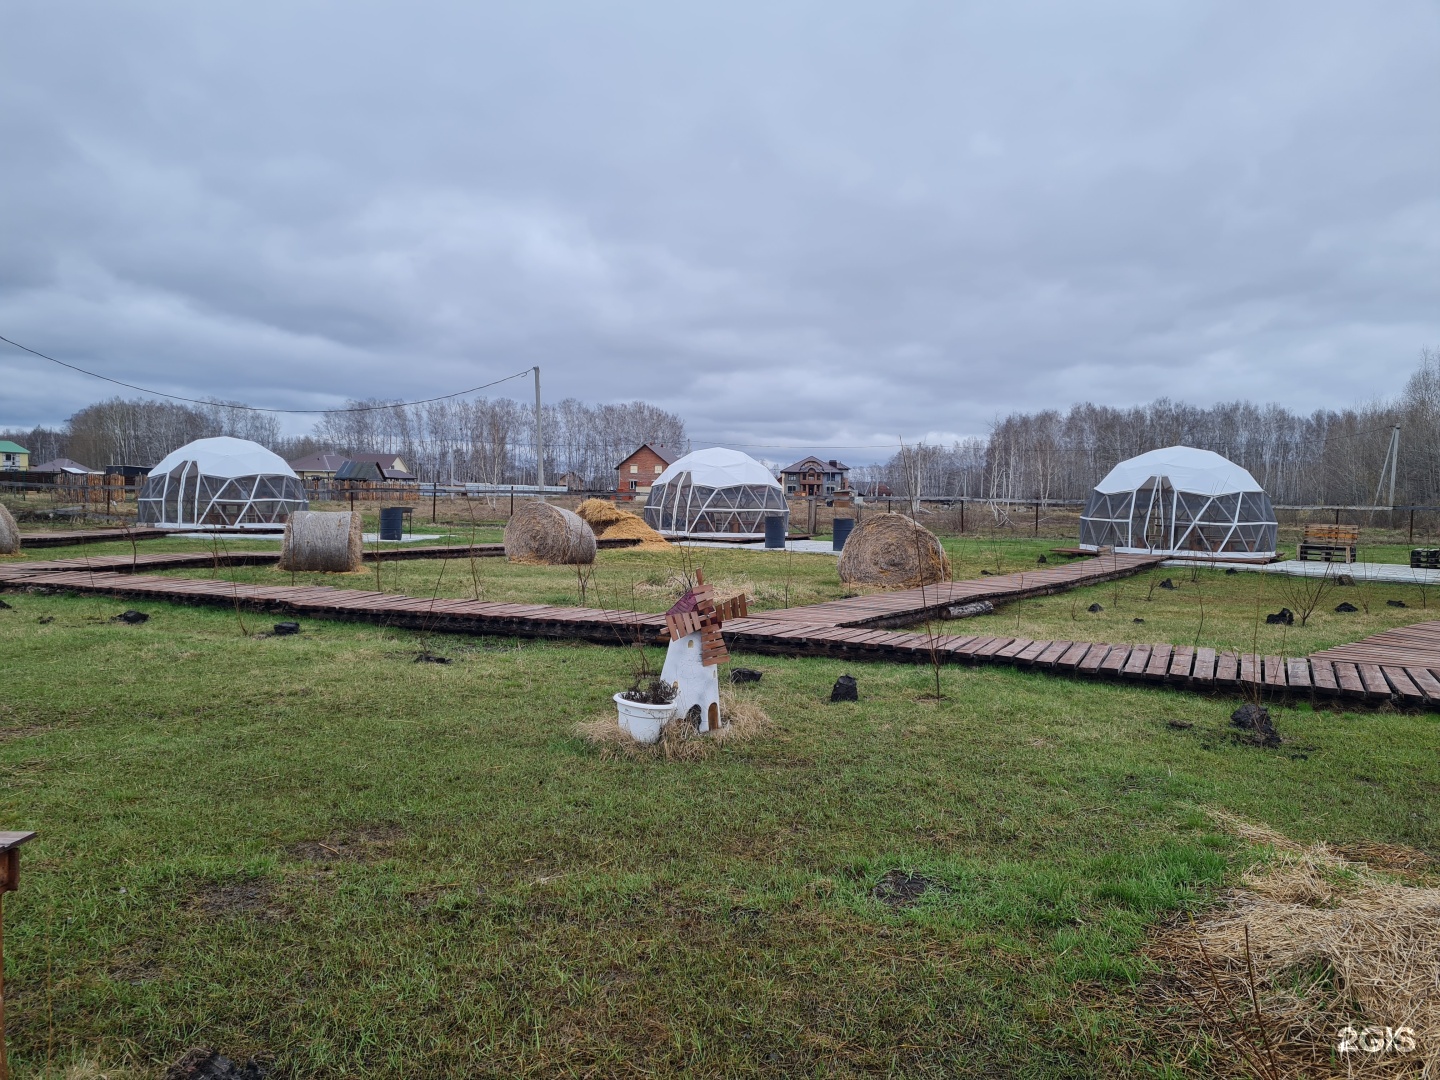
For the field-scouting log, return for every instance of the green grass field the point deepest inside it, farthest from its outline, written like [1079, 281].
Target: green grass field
[315, 849]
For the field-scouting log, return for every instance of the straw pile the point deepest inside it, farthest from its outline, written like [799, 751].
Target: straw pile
[324, 542]
[9, 533]
[610, 522]
[743, 720]
[893, 552]
[548, 536]
[1313, 944]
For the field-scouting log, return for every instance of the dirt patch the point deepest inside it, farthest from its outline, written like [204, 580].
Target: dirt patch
[898, 889]
[358, 845]
[207, 1063]
[10, 734]
[235, 899]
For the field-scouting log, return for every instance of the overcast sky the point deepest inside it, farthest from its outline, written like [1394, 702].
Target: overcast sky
[829, 224]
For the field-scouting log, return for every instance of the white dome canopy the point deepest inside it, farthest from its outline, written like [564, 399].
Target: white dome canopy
[715, 493]
[718, 467]
[1201, 472]
[228, 457]
[220, 483]
[1183, 503]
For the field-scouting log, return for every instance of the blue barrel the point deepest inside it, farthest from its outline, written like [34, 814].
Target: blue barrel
[775, 530]
[842, 533]
[392, 523]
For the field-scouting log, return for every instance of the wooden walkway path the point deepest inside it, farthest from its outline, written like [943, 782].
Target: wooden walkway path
[603, 626]
[137, 562]
[906, 607]
[1400, 666]
[72, 537]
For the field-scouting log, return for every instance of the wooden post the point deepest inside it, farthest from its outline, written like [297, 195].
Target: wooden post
[512, 500]
[1037, 519]
[9, 881]
[434, 496]
[1412, 526]
[1337, 515]
[962, 517]
[810, 527]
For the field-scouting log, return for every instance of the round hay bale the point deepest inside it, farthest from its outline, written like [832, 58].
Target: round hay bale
[9, 533]
[323, 542]
[609, 521]
[545, 534]
[893, 552]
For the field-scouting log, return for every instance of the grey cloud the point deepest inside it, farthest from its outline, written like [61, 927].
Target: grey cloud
[791, 223]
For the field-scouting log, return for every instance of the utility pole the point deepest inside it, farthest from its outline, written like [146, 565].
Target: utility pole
[1392, 463]
[539, 443]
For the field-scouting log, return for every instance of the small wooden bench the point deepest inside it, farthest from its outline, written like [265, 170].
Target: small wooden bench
[1330, 543]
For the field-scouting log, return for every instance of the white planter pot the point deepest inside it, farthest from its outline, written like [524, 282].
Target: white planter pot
[642, 721]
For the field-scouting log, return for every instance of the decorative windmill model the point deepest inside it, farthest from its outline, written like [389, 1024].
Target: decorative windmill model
[696, 649]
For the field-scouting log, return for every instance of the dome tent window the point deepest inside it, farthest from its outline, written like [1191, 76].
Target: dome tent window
[715, 492]
[1183, 502]
[221, 483]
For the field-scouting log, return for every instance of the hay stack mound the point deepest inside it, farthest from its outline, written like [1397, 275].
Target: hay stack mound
[893, 552]
[9, 534]
[609, 521]
[545, 534]
[328, 543]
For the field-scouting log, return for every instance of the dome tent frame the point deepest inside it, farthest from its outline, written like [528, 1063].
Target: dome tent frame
[1181, 502]
[717, 494]
[221, 483]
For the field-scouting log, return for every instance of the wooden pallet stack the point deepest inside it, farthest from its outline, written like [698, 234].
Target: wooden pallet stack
[1329, 543]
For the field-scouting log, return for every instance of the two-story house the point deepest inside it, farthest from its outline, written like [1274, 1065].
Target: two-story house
[636, 474]
[811, 476]
[13, 457]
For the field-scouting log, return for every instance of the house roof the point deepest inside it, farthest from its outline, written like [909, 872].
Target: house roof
[667, 456]
[825, 466]
[323, 462]
[7, 447]
[61, 464]
[373, 467]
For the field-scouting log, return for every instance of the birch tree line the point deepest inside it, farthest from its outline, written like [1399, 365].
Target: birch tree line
[484, 440]
[1331, 457]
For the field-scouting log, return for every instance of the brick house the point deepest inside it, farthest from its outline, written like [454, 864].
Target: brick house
[637, 473]
[811, 476]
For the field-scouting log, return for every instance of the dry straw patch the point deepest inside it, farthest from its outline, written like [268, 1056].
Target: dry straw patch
[744, 721]
[1315, 940]
[612, 523]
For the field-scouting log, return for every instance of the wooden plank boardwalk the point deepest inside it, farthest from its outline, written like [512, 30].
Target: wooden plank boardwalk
[72, 537]
[1401, 666]
[446, 615]
[906, 607]
[137, 562]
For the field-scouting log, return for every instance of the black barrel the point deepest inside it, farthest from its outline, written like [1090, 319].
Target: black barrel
[392, 523]
[775, 530]
[842, 533]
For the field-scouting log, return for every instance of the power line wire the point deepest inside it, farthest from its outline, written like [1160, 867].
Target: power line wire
[255, 408]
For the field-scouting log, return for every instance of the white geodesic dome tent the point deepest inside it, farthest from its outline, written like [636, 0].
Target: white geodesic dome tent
[221, 482]
[1182, 502]
[715, 492]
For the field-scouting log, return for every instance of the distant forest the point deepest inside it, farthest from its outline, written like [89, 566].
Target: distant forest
[1329, 456]
[487, 440]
